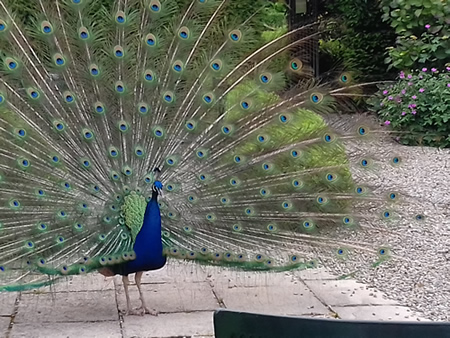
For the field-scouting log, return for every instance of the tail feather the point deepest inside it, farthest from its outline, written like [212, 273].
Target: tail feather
[256, 177]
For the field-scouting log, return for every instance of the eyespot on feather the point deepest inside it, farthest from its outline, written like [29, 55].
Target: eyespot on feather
[59, 60]
[11, 64]
[155, 6]
[265, 78]
[216, 65]
[4, 27]
[83, 33]
[118, 52]
[178, 67]
[120, 18]
[151, 40]
[149, 76]
[33, 94]
[316, 98]
[296, 65]
[184, 33]
[191, 125]
[46, 28]
[235, 35]
[345, 78]
[143, 108]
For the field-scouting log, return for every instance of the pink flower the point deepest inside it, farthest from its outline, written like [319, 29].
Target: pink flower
[403, 91]
[448, 69]
[414, 97]
[385, 92]
[411, 106]
[402, 75]
[409, 76]
[403, 113]
[448, 84]
[424, 69]
[420, 77]
[381, 104]
[414, 112]
[410, 83]
[421, 90]
[427, 26]
[390, 98]
[434, 70]
[387, 122]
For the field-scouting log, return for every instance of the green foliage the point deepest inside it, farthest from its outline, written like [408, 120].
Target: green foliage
[272, 15]
[418, 104]
[358, 14]
[355, 36]
[423, 29]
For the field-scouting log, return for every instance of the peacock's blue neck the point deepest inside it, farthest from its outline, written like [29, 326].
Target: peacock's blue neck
[151, 228]
[148, 245]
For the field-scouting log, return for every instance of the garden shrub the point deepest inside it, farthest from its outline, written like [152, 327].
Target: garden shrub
[418, 104]
[423, 29]
[355, 36]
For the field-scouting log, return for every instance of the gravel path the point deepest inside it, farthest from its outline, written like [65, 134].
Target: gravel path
[422, 280]
[420, 276]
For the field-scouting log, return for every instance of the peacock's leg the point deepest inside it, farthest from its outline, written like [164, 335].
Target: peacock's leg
[126, 282]
[143, 308]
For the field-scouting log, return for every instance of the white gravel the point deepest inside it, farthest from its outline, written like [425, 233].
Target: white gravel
[419, 274]
[422, 279]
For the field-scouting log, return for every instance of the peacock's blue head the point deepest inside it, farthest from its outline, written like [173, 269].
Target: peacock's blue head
[157, 188]
[158, 185]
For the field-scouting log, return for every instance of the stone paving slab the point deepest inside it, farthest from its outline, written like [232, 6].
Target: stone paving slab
[7, 301]
[315, 274]
[172, 297]
[198, 324]
[283, 300]
[88, 306]
[383, 312]
[106, 329]
[67, 307]
[4, 323]
[93, 282]
[81, 283]
[176, 273]
[247, 279]
[346, 292]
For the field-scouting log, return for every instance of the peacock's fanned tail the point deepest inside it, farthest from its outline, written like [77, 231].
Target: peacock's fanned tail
[93, 99]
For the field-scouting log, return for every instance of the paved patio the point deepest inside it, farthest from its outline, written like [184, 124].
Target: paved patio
[186, 297]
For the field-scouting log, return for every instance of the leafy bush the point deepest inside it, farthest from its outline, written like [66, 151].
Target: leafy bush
[355, 36]
[418, 103]
[423, 29]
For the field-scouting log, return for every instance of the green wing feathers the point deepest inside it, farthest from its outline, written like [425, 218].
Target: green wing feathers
[256, 176]
[133, 211]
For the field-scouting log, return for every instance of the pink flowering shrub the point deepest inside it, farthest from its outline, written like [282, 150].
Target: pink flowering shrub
[419, 104]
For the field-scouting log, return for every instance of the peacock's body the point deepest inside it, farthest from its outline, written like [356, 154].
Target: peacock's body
[154, 130]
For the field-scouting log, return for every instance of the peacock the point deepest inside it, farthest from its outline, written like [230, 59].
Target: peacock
[134, 132]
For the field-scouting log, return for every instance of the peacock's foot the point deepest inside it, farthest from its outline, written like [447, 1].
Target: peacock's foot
[141, 311]
[150, 312]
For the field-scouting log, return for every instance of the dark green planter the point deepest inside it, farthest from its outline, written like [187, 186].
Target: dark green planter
[229, 324]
